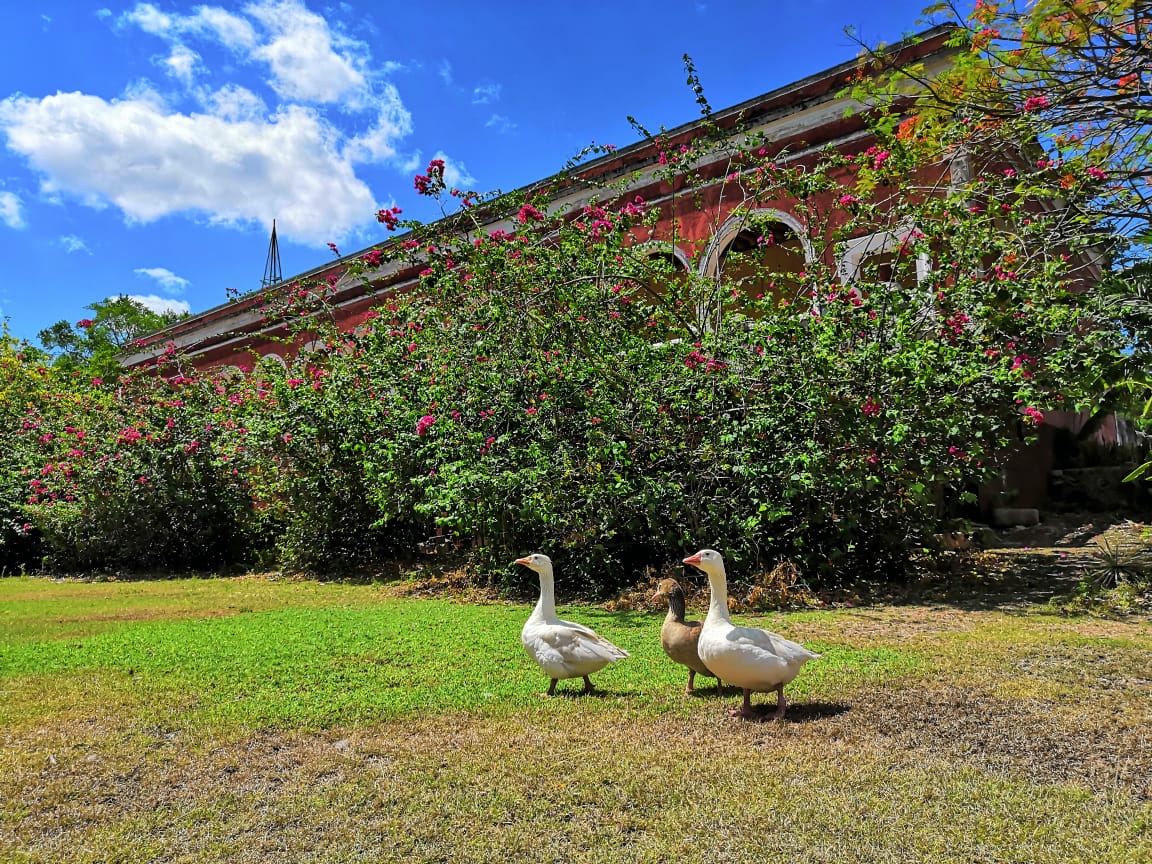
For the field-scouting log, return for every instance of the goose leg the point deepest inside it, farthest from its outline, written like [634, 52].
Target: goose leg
[691, 679]
[588, 688]
[719, 687]
[781, 704]
[552, 688]
[745, 710]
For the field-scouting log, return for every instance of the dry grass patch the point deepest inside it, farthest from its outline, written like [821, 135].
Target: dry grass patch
[376, 728]
[565, 786]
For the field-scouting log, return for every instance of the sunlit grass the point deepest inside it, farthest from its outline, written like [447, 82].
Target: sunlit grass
[251, 720]
[369, 656]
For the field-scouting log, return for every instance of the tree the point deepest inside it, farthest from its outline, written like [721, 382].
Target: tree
[1061, 90]
[92, 345]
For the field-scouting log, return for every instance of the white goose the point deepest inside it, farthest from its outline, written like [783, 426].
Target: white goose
[563, 649]
[748, 657]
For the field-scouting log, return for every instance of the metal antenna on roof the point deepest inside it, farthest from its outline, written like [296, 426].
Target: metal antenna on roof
[272, 272]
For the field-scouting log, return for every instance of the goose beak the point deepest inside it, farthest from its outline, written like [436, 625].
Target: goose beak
[525, 561]
[694, 560]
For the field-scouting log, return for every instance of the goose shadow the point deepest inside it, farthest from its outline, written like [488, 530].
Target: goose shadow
[812, 712]
[580, 693]
[798, 712]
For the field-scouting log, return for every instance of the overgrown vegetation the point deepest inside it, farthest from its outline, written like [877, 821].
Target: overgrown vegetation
[568, 373]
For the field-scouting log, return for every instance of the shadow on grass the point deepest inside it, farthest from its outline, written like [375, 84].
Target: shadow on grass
[798, 712]
[812, 712]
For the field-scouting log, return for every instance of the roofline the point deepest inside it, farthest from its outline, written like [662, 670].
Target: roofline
[731, 113]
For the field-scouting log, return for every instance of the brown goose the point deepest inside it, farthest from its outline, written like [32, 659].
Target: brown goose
[679, 637]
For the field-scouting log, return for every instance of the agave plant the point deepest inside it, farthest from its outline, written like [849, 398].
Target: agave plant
[1115, 562]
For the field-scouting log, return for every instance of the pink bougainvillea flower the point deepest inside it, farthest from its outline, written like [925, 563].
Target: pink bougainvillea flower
[424, 424]
[389, 217]
[85, 323]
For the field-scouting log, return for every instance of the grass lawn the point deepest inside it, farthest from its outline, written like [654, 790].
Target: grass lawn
[255, 720]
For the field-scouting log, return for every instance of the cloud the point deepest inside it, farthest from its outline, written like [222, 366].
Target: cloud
[308, 61]
[169, 281]
[159, 305]
[181, 63]
[392, 122]
[12, 210]
[500, 123]
[486, 93]
[446, 73]
[233, 102]
[151, 162]
[72, 244]
[208, 21]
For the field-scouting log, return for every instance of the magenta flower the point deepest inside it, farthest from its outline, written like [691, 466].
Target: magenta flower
[389, 217]
[1034, 414]
[424, 424]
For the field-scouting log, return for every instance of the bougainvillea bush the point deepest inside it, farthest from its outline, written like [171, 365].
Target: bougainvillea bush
[555, 379]
[555, 385]
[131, 473]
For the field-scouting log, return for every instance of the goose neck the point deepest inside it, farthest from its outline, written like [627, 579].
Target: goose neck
[546, 605]
[676, 606]
[718, 599]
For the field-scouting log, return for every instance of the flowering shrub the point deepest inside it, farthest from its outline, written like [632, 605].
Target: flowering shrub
[129, 475]
[565, 384]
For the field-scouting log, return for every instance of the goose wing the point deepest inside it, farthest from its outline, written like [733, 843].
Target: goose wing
[565, 649]
[753, 640]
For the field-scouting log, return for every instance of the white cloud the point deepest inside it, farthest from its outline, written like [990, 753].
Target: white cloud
[486, 93]
[232, 30]
[150, 19]
[169, 281]
[446, 73]
[500, 123]
[159, 305]
[12, 210]
[232, 102]
[308, 61]
[377, 143]
[150, 162]
[181, 63]
[72, 243]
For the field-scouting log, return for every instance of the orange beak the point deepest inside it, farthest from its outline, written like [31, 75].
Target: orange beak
[694, 560]
[525, 561]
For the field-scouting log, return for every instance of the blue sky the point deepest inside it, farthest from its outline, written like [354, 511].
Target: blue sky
[146, 147]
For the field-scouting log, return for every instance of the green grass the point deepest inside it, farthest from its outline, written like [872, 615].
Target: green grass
[369, 656]
[250, 720]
